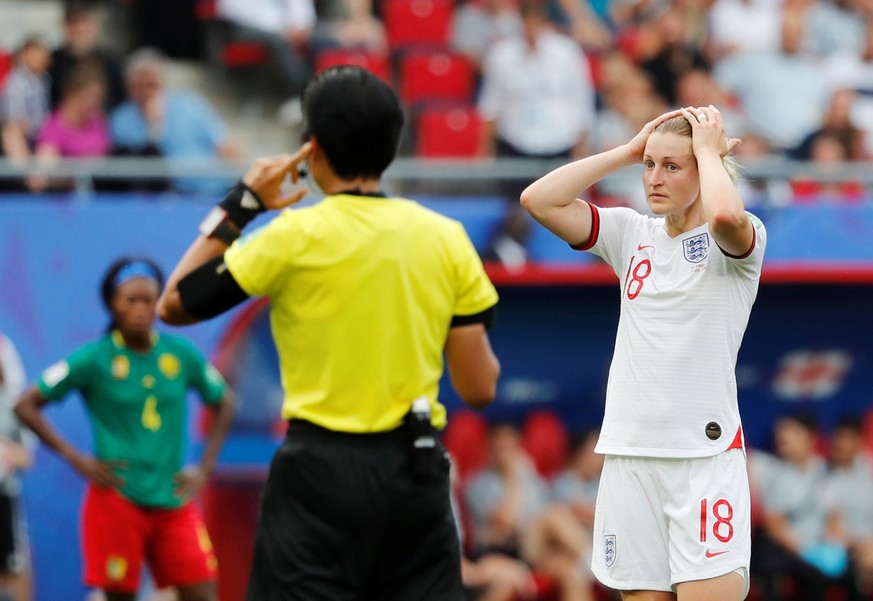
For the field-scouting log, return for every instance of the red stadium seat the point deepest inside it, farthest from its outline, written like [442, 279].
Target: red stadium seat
[374, 63]
[417, 22]
[430, 76]
[224, 51]
[546, 440]
[466, 439]
[448, 132]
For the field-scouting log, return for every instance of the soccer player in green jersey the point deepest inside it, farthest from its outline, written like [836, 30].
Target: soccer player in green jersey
[138, 506]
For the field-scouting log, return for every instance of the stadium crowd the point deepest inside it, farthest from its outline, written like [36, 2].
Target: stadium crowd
[526, 493]
[480, 78]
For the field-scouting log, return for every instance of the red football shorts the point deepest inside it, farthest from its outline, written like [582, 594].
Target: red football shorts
[119, 535]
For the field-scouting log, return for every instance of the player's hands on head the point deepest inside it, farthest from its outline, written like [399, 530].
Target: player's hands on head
[707, 130]
[102, 473]
[267, 176]
[637, 146]
[189, 482]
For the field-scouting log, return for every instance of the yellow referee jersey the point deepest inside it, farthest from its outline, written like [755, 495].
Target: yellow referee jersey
[362, 293]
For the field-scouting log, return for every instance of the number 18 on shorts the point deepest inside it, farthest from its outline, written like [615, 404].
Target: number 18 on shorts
[659, 522]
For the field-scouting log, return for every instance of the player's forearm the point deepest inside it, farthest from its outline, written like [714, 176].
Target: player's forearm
[28, 410]
[722, 204]
[562, 186]
[221, 421]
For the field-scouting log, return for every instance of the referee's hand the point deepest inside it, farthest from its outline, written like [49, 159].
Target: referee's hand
[267, 175]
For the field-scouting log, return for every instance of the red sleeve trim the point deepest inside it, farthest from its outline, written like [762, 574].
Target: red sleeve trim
[747, 253]
[595, 230]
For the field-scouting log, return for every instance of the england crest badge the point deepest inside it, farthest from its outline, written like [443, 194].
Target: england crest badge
[696, 248]
[609, 550]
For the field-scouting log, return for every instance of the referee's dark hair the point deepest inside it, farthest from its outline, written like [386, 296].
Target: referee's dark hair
[108, 285]
[357, 119]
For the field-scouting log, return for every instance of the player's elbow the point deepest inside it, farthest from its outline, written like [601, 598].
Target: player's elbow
[529, 201]
[727, 220]
[170, 310]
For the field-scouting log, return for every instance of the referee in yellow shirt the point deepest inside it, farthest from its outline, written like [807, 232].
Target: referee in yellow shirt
[368, 294]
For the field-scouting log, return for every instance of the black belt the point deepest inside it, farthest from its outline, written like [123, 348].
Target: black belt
[302, 426]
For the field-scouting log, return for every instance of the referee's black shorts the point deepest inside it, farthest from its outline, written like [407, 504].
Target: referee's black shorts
[342, 520]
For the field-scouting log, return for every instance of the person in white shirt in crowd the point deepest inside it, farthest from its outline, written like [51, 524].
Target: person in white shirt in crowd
[780, 91]
[849, 498]
[537, 99]
[738, 26]
[673, 512]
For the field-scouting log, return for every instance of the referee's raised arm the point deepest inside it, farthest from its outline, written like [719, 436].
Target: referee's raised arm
[201, 286]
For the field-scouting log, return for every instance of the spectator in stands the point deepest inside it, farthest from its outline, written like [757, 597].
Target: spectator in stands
[83, 24]
[497, 577]
[511, 515]
[850, 498]
[780, 92]
[175, 124]
[852, 68]
[834, 26]
[671, 52]
[757, 191]
[24, 103]
[16, 449]
[349, 24]
[478, 25]
[537, 99]
[740, 26]
[793, 544]
[828, 151]
[577, 485]
[284, 26]
[78, 128]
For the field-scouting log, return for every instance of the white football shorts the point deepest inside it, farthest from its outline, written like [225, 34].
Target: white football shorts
[660, 522]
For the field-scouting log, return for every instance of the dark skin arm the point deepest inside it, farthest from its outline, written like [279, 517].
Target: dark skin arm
[190, 480]
[29, 407]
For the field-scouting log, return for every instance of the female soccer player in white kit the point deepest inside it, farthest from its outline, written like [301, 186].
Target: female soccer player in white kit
[672, 517]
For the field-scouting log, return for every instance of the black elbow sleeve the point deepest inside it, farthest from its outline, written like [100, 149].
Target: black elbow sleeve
[210, 290]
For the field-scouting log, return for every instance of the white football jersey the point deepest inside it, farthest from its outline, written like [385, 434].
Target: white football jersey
[672, 388]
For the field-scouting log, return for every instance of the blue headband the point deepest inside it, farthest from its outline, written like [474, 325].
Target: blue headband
[136, 269]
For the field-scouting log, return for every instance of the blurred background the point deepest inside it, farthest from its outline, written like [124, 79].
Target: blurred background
[124, 120]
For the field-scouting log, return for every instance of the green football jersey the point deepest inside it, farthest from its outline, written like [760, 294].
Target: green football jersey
[137, 403]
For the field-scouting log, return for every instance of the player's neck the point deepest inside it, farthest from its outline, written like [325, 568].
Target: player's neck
[140, 342]
[684, 221]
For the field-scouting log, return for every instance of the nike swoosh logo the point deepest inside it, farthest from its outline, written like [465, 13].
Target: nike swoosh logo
[711, 554]
[642, 246]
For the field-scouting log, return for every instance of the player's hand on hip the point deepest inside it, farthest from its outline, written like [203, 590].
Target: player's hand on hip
[267, 176]
[101, 473]
[189, 482]
[637, 146]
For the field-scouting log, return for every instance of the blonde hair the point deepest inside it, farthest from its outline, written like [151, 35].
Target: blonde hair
[680, 127]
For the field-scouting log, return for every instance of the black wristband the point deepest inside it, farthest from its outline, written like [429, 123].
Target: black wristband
[241, 205]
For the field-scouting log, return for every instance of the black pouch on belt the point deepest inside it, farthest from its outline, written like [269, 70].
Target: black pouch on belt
[424, 449]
